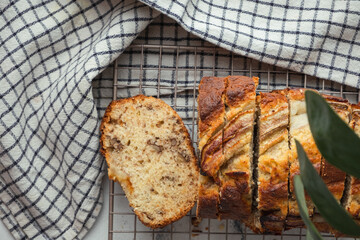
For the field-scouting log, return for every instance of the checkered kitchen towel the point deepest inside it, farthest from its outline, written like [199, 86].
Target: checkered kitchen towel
[50, 167]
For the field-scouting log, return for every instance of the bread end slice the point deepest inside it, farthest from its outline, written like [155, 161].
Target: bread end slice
[149, 152]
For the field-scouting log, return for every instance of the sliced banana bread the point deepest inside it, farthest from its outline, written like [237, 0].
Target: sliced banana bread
[272, 161]
[230, 184]
[300, 130]
[149, 152]
[353, 201]
[332, 176]
[211, 110]
[237, 171]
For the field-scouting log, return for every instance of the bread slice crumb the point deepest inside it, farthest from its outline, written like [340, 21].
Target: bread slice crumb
[149, 152]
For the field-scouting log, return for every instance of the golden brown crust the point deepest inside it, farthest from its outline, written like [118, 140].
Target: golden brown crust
[126, 184]
[355, 108]
[271, 100]
[208, 201]
[355, 117]
[333, 177]
[303, 133]
[300, 130]
[105, 119]
[164, 223]
[353, 203]
[235, 184]
[236, 173]
[355, 186]
[210, 100]
[235, 190]
[273, 161]
[212, 156]
[341, 106]
[239, 89]
[234, 196]
[335, 99]
[293, 221]
[234, 177]
[239, 92]
[211, 108]
[296, 93]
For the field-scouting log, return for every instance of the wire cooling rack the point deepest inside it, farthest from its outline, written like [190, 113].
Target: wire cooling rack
[173, 73]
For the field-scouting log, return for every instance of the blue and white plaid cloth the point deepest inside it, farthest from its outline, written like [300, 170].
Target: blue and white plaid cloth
[50, 51]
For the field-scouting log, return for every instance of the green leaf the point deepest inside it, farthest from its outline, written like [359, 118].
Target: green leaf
[325, 202]
[336, 141]
[308, 235]
[300, 198]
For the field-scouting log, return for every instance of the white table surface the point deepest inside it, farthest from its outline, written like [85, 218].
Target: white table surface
[99, 229]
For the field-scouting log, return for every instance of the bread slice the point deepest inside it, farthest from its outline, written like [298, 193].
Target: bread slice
[273, 164]
[149, 152]
[211, 109]
[333, 177]
[299, 129]
[352, 205]
[236, 175]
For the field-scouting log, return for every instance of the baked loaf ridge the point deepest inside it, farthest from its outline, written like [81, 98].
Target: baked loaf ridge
[248, 171]
[235, 175]
[299, 129]
[333, 177]
[225, 143]
[273, 166]
[149, 152]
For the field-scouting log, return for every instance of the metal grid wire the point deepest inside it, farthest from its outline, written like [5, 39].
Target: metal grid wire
[200, 61]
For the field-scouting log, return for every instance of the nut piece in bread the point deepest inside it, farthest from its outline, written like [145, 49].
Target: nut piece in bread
[149, 152]
[300, 130]
[273, 167]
